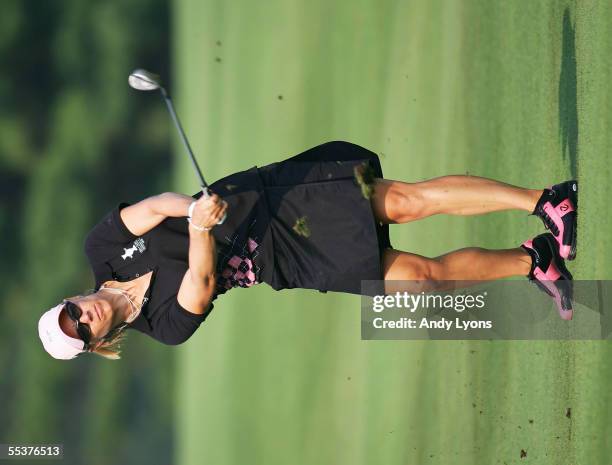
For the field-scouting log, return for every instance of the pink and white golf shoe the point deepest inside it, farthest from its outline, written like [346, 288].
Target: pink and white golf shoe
[548, 272]
[557, 208]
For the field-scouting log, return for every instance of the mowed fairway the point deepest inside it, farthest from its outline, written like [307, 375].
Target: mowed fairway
[516, 91]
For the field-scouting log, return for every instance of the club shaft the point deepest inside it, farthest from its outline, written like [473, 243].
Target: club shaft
[177, 123]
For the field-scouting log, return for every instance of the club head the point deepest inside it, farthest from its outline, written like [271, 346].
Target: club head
[141, 79]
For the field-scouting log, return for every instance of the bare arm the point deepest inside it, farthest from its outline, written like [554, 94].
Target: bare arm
[148, 213]
[198, 284]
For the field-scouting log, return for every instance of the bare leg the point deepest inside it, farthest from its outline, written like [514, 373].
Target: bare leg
[469, 264]
[401, 202]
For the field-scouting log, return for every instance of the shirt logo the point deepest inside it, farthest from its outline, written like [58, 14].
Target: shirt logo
[137, 246]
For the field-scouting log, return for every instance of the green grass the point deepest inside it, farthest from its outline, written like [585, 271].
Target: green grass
[516, 91]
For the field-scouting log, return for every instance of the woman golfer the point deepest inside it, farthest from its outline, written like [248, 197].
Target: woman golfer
[318, 220]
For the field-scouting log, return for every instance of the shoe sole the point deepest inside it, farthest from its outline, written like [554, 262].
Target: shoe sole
[559, 263]
[574, 199]
[557, 260]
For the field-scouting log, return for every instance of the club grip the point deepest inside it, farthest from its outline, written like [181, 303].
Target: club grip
[206, 194]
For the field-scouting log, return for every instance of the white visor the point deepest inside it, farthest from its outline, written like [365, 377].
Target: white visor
[57, 343]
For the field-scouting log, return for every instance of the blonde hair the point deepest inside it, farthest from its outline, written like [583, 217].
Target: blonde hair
[110, 349]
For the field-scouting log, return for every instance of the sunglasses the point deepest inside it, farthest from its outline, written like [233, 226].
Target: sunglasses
[82, 329]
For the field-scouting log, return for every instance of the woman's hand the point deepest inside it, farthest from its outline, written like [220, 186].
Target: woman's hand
[208, 211]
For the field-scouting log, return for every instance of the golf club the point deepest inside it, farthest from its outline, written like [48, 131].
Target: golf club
[141, 79]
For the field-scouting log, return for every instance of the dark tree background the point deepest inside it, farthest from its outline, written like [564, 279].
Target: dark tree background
[75, 140]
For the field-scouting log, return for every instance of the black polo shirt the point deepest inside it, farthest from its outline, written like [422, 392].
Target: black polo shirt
[243, 244]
